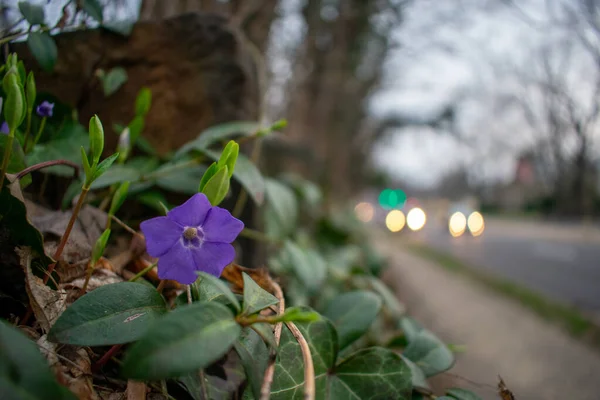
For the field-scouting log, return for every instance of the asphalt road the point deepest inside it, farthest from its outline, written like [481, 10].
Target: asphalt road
[558, 261]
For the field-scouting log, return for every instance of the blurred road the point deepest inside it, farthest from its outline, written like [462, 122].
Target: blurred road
[560, 261]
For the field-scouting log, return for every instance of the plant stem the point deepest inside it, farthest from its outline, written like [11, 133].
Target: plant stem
[39, 133]
[27, 131]
[259, 236]
[65, 236]
[107, 356]
[189, 293]
[47, 164]
[142, 272]
[309, 369]
[265, 389]
[124, 225]
[7, 150]
[88, 275]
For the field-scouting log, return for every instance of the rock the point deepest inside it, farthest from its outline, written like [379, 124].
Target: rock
[198, 70]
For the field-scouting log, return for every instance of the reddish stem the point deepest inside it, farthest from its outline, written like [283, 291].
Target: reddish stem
[107, 356]
[47, 164]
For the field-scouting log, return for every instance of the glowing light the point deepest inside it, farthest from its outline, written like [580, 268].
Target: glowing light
[476, 224]
[364, 212]
[415, 219]
[457, 224]
[395, 220]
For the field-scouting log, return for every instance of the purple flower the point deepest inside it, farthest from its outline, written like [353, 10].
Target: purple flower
[45, 109]
[4, 128]
[192, 237]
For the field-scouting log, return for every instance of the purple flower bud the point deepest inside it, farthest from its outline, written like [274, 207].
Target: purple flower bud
[4, 128]
[45, 109]
[192, 237]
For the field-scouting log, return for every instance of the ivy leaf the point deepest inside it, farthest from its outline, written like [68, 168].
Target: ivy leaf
[282, 209]
[288, 380]
[44, 49]
[369, 374]
[33, 13]
[113, 80]
[93, 8]
[24, 373]
[169, 349]
[308, 266]
[429, 353]
[255, 297]
[218, 133]
[410, 327]
[112, 314]
[419, 380]
[352, 314]
[254, 356]
[391, 303]
[462, 394]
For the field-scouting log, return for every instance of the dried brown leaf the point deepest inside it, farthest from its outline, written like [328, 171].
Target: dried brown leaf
[47, 304]
[233, 274]
[100, 277]
[136, 390]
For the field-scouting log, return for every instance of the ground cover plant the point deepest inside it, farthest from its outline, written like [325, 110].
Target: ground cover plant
[96, 304]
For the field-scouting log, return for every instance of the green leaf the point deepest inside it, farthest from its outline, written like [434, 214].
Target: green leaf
[96, 139]
[369, 374]
[33, 13]
[72, 137]
[181, 180]
[16, 162]
[281, 213]
[111, 314]
[265, 331]
[105, 165]
[31, 91]
[429, 353]
[211, 288]
[307, 265]
[143, 101]
[119, 198]
[217, 133]
[288, 379]
[254, 356]
[93, 8]
[352, 314]
[418, 377]
[462, 394]
[255, 297]
[217, 187]
[99, 246]
[152, 199]
[171, 346]
[247, 175]
[14, 105]
[136, 126]
[24, 373]
[113, 80]
[118, 173]
[411, 328]
[299, 314]
[229, 156]
[44, 49]
[391, 303]
[209, 173]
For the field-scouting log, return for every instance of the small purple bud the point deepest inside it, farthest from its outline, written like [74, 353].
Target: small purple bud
[4, 128]
[45, 109]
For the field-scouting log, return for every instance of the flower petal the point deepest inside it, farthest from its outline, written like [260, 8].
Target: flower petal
[192, 212]
[177, 264]
[221, 226]
[161, 234]
[213, 257]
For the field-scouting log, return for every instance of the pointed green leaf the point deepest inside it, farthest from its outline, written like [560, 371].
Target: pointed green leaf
[209, 173]
[105, 165]
[254, 356]
[419, 380]
[410, 327]
[247, 175]
[113, 80]
[100, 246]
[33, 13]
[143, 101]
[369, 374]
[352, 314]
[462, 394]
[255, 297]
[211, 288]
[119, 198]
[217, 187]
[429, 353]
[229, 157]
[111, 314]
[24, 373]
[136, 126]
[30, 91]
[44, 49]
[96, 139]
[171, 346]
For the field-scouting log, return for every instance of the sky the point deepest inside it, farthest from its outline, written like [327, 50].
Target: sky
[446, 54]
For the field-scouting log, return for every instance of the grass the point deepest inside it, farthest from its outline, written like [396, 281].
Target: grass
[574, 321]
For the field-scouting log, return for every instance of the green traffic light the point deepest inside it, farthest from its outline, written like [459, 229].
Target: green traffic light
[390, 199]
